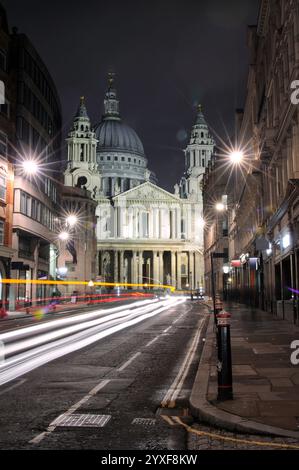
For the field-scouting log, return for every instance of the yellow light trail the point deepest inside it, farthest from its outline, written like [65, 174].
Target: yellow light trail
[83, 283]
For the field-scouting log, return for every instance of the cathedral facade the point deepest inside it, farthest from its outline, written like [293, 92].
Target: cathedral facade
[145, 234]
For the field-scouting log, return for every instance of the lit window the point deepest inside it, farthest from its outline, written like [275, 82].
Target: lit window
[1, 232]
[2, 187]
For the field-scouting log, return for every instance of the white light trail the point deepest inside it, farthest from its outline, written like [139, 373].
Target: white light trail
[21, 364]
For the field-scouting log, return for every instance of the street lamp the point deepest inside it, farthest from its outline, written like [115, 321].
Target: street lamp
[63, 236]
[30, 167]
[220, 207]
[71, 220]
[236, 156]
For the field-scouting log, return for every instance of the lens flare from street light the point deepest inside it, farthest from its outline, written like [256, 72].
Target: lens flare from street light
[236, 157]
[30, 167]
[71, 220]
[63, 236]
[201, 222]
[220, 207]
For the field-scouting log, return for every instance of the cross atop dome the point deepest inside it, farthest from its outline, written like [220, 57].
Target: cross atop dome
[111, 103]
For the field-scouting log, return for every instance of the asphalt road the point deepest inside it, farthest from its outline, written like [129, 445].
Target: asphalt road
[130, 381]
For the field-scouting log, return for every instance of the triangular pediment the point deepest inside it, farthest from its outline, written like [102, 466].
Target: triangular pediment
[149, 192]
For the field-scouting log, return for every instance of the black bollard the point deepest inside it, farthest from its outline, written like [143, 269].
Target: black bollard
[224, 366]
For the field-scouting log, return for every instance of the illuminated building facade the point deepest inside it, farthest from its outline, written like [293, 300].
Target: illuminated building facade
[263, 194]
[144, 233]
[7, 131]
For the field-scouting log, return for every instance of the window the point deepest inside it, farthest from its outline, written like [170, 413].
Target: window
[115, 159]
[122, 159]
[33, 209]
[129, 159]
[25, 204]
[2, 60]
[1, 232]
[108, 158]
[5, 108]
[3, 144]
[2, 187]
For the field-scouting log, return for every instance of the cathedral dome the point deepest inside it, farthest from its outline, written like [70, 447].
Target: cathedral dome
[114, 135]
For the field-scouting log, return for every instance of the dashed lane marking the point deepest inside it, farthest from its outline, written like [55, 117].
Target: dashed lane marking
[128, 362]
[152, 341]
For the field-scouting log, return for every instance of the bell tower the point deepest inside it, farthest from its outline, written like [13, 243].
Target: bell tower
[82, 169]
[197, 156]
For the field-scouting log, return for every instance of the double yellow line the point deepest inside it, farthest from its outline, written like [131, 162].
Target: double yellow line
[172, 420]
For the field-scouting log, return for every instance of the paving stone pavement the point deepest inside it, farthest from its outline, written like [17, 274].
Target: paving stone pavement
[265, 383]
[196, 442]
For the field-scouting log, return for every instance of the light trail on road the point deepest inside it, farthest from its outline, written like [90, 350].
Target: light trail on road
[31, 347]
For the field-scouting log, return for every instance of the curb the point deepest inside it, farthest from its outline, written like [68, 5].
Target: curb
[201, 408]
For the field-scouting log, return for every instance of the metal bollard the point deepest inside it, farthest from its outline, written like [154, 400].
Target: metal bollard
[224, 365]
[218, 308]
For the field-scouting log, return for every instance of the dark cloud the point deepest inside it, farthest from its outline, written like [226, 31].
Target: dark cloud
[168, 55]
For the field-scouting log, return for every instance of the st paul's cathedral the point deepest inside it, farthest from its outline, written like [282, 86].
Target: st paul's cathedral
[145, 234]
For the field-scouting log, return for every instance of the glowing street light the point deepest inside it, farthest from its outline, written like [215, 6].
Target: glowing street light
[63, 236]
[71, 220]
[236, 156]
[30, 167]
[90, 284]
[220, 207]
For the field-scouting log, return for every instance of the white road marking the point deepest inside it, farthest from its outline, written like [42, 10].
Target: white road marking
[167, 329]
[152, 341]
[20, 382]
[126, 364]
[70, 411]
[174, 390]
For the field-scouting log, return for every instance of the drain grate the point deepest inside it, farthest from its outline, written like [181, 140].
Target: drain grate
[80, 421]
[144, 421]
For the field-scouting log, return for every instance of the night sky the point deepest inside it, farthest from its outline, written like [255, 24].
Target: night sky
[168, 55]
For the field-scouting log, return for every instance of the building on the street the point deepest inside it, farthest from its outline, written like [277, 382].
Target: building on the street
[263, 215]
[30, 127]
[215, 213]
[144, 233]
[77, 254]
[7, 131]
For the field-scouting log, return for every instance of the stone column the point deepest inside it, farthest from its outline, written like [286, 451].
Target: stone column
[155, 267]
[161, 267]
[179, 271]
[160, 222]
[178, 222]
[173, 270]
[140, 267]
[115, 266]
[191, 269]
[134, 268]
[140, 225]
[197, 269]
[121, 266]
[173, 228]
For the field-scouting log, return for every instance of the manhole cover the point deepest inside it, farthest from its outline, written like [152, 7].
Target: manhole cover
[87, 421]
[144, 421]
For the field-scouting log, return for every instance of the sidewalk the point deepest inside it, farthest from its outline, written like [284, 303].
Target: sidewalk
[265, 383]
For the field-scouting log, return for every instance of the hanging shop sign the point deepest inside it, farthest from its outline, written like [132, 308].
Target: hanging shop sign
[244, 258]
[235, 263]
